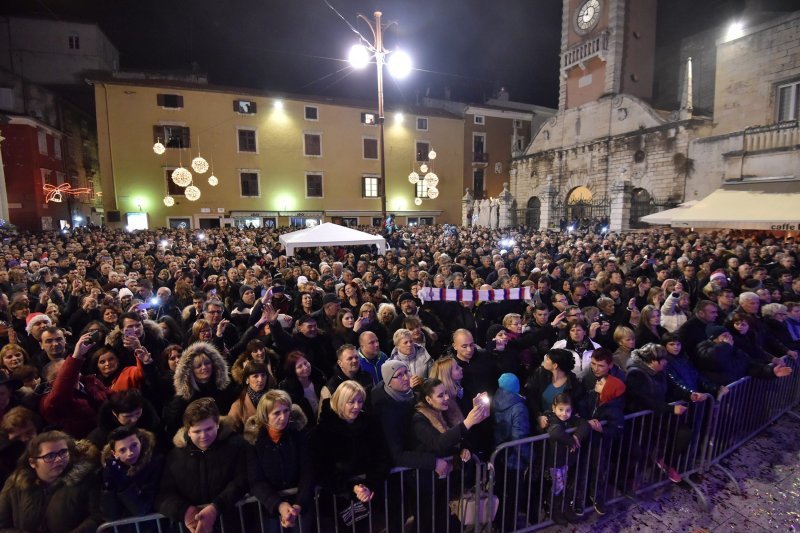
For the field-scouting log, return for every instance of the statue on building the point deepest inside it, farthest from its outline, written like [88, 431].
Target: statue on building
[494, 206]
[483, 220]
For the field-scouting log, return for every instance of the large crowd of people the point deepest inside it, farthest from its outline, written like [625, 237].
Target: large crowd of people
[175, 371]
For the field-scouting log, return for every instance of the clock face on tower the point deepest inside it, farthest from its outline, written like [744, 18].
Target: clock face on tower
[587, 15]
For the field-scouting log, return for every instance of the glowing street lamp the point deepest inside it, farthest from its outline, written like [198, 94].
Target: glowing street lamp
[399, 64]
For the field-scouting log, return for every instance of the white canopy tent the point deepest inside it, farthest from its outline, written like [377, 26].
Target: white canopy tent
[329, 234]
[666, 216]
[758, 205]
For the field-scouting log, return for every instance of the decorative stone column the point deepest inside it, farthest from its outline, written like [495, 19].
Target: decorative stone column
[506, 208]
[547, 198]
[466, 205]
[620, 204]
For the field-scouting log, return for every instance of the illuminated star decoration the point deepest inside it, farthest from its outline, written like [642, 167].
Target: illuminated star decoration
[55, 194]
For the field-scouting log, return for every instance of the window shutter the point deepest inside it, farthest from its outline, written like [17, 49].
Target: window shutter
[158, 134]
[380, 187]
[363, 187]
[185, 139]
[160, 100]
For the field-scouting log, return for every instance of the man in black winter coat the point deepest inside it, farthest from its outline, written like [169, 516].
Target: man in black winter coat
[206, 473]
[693, 331]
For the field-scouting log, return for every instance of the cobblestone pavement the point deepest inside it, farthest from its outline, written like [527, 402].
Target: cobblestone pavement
[768, 470]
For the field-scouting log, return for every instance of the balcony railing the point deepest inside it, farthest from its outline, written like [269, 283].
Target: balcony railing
[584, 51]
[762, 138]
[480, 157]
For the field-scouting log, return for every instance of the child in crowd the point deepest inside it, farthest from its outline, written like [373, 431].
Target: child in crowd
[562, 452]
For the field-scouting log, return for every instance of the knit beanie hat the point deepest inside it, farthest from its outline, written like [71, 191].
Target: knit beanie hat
[243, 289]
[34, 318]
[713, 331]
[493, 330]
[125, 291]
[390, 368]
[509, 382]
[613, 389]
[329, 299]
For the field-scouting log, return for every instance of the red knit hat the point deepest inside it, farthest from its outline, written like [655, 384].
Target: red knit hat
[613, 389]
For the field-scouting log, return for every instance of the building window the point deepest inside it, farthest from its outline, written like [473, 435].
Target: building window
[245, 107]
[313, 185]
[420, 190]
[248, 179]
[247, 140]
[370, 148]
[370, 186]
[788, 101]
[170, 101]
[172, 136]
[60, 178]
[422, 150]
[478, 183]
[422, 124]
[42, 138]
[350, 222]
[74, 41]
[517, 123]
[312, 144]
[479, 119]
[370, 119]
[311, 112]
[172, 188]
[57, 147]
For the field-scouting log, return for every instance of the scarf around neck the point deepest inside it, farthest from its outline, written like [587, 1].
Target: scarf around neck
[255, 396]
[406, 396]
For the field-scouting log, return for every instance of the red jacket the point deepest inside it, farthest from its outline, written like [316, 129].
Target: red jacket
[73, 410]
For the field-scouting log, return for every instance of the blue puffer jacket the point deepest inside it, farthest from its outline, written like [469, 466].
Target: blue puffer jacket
[511, 422]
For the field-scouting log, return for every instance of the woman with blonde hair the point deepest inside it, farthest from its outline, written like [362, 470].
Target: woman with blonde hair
[450, 374]
[280, 459]
[344, 447]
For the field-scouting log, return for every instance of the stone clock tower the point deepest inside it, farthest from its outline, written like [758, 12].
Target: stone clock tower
[607, 47]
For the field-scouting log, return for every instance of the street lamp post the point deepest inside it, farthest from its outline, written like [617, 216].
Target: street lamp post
[399, 67]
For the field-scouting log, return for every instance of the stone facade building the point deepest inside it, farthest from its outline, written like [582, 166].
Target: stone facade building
[608, 153]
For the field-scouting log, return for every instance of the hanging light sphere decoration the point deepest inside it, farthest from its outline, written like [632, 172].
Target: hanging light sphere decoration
[433, 193]
[181, 177]
[423, 168]
[432, 155]
[431, 180]
[159, 148]
[213, 180]
[199, 165]
[413, 178]
[169, 201]
[417, 201]
[192, 193]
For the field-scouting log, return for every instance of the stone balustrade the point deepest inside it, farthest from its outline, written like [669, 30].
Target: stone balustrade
[583, 51]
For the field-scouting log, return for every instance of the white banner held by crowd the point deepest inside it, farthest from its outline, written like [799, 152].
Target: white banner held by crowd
[432, 294]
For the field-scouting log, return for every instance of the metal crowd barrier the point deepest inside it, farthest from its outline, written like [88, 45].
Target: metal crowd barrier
[602, 472]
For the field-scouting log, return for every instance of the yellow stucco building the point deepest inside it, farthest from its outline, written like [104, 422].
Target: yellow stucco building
[279, 159]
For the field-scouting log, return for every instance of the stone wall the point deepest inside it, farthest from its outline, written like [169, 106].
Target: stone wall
[575, 149]
[748, 69]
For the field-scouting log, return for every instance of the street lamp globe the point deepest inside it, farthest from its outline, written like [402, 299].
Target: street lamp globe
[399, 64]
[169, 201]
[413, 178]
[432, 155]
[417, 201]
[213, 180]
[431, 180]
[159, 148]
[433, 193]
[181, 177]
[423, 168]
[358, 56]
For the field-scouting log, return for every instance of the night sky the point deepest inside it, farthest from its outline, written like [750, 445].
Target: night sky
[472, 47]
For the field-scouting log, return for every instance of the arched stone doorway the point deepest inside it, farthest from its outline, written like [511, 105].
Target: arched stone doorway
[642, 204]
[533, 212]
[579, 203]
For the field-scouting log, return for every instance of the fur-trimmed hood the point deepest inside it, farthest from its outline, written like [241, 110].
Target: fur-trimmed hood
[185, 386]
[84, 462]
[151, 331]
[148, 441]
[227, 428]
[297, 421]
